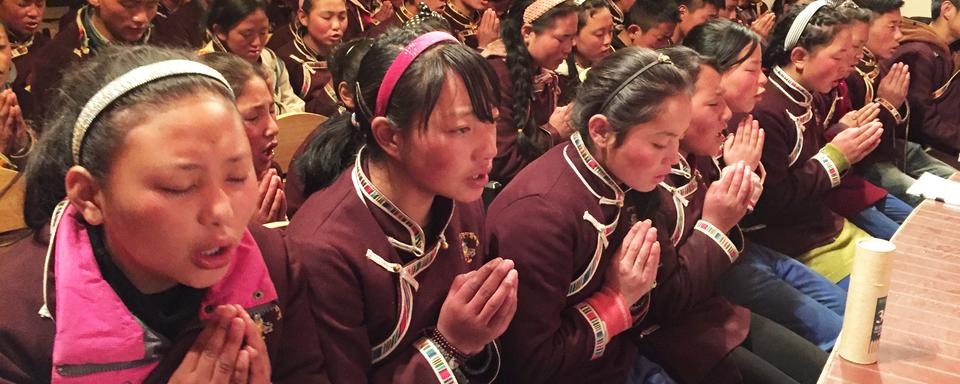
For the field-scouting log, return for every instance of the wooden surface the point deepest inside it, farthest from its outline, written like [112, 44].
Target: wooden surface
[920, 340]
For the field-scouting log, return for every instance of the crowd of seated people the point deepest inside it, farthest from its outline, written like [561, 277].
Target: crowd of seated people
[516, 191]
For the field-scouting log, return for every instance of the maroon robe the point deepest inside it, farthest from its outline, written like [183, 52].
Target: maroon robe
[463, 25]
[66, 48]
[854, 194]
[540, 222]
[862, 85]
[687, 314]
[933, 96]
[508, 161]
[283, 35]
[26, 339]
[791, 216]
[341, 234]
[310, 78]
[25, 57]
[182, 28]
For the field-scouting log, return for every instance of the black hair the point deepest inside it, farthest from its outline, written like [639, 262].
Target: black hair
[234, 69]
[585, 11]
[531, 140]
[779, 5]
[345, 62]
[48, 164]
[880, 6]
[228, 13]
[935, 8]
[637, 102]
[693, 5]
[720, 41]
[852, 12]
[649, 14]
[819, 31]
[415, 95]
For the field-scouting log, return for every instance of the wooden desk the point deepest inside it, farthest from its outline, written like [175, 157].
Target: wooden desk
[920, 342]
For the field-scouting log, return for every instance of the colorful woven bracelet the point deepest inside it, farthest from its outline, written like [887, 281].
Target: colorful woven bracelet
[720, 238]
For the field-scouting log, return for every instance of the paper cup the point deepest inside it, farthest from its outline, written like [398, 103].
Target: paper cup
[866, 300]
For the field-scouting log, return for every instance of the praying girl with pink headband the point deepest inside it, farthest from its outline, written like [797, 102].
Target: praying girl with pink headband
[394, 246]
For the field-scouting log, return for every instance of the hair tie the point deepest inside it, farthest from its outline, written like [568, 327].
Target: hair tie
[403, 60]
[538, 8]
[800, 23]
[130, 81]
[661, 59]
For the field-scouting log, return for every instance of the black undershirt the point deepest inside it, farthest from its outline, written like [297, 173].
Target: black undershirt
[166, 312]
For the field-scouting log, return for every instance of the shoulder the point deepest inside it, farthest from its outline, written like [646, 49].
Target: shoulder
[26, 339]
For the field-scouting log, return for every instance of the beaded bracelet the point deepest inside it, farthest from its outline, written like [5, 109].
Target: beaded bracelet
[442, 342]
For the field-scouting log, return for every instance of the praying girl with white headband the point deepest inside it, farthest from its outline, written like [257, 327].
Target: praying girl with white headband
[573, 222]
[394, 246]
[142, 268]
[536, 36]
[809, 53]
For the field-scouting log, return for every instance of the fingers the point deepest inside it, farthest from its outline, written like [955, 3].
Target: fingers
[746, 187]
[501, 319]
[505, 288]
[276, 208]
[629, 255]
[648, 240]
[648, 273]
[241, 371]
[259, 365]
[723, 184]
[476, 279]
[262, 189]
[270, 197]
[736, 178]
[490, 286]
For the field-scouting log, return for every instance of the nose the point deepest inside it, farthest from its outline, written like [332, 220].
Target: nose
[488, 142]
[143, 15]
[898, 35]
[763, 79]
[727, 113]
[272, 129]
[217, 209]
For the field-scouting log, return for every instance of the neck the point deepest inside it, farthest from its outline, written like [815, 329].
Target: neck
[792, 71]
[393, 181]
[144, 281]
[100, 26]
[625, 37]
[678, 34]
[581, 61]
[942, 28]
[320, 49]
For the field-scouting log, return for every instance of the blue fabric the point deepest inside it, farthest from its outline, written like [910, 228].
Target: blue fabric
[784, 290]
[883, 218]
[645, 371]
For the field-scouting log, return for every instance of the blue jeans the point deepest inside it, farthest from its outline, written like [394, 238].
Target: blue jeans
[883, 218]
[645, 371]
[784, 290]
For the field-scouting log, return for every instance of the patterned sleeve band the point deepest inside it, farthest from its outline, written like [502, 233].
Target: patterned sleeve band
[608, 316]
[834, 163]
[718, 237]
[441, 367]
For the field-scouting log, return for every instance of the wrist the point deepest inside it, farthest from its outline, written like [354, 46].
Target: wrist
[455, 347]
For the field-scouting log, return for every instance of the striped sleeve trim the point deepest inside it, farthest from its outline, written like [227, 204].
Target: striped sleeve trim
[599, 329]
[441, 368]
[720, 238]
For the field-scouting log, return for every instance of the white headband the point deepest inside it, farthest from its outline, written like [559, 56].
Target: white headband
[129, 81]
[800, 23]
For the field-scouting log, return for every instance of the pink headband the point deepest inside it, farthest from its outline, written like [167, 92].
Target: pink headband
[400, 64]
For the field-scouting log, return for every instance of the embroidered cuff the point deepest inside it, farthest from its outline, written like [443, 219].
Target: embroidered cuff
[718, 237]
[439, 363]
[599, 329]
[833, 162]
[612, 310]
